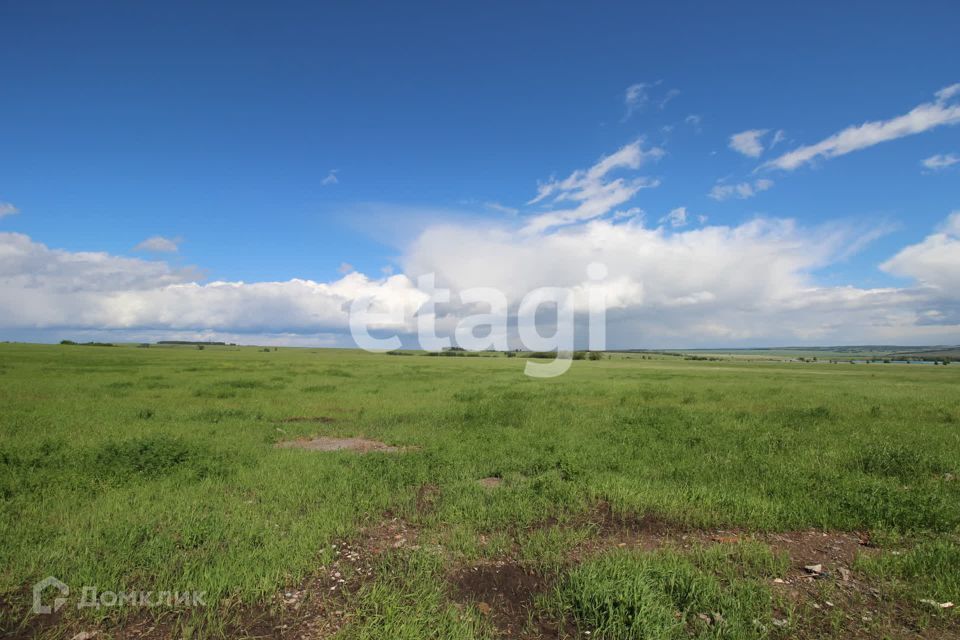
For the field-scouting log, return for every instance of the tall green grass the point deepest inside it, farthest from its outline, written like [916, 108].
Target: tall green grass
[155, 468]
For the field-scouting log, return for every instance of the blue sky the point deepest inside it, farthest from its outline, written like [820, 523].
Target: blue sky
[274, 142]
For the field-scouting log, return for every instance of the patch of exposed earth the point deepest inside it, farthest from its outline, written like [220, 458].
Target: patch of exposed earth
[325, 443]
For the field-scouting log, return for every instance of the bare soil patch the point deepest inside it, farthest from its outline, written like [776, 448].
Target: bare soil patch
[325, 443]
[321, 605]
[490, 483]
[504, 591]
[321, 419]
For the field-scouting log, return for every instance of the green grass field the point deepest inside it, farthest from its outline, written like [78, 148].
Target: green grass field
[629, 498]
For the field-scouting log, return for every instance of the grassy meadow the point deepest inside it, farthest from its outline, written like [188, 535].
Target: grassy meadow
[629, 498]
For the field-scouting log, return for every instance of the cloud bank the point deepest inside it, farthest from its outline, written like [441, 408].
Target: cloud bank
[747, 284]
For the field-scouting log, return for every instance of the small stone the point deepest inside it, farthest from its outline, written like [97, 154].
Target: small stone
[815, 569]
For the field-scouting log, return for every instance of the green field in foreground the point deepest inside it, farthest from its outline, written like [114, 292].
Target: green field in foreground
[630, 498]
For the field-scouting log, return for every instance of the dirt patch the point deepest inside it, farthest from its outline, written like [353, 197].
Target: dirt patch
[324, 443]
[391, 533]
[834, 552]
[503, 591]
[321, 419]
[490, 483]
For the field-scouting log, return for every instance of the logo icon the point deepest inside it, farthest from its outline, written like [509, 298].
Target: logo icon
[43, 585]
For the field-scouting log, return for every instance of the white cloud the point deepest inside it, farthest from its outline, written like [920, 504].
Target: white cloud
[499, 208]
[941, 161]
[749, 284]
[935, 261]
[7, 209]
[670, 95]
[742, 190]
[948, 92]
[778, 137]
[331, 178]
[676, 218]
[634, 98]
[746, 284]
[752, 283]
[49, 288]
[629, 214]
[748, 142]
[693, 120]
[592, 192]
[159, 244]
[923, 117]
[345, 268]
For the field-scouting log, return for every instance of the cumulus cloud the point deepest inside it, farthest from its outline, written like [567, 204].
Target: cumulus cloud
[591, 193]
[7, 209]
[670, 285]
[49, 288]
[933, 262]
[742, 190]
[748, 142]
[750, 283]
[924, 117]
[159, 244]
[940, 161]
[331, 178]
